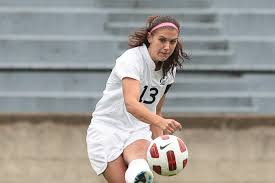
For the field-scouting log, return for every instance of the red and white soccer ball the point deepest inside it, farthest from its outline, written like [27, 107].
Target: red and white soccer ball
[167, 155]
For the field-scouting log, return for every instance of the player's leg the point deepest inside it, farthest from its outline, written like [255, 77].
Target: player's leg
[138, 168]
[136, 150]
[104, 146]
[115, 171]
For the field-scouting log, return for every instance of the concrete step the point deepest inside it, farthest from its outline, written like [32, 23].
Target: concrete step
[232, 87]
[54, 81]
[214, 86]
[243, 4]
[208, 102]
[81, 21]
[154, 4]
[220, 95]
[52, 23]
[256, 84]
[265, 105]
[47, 102]
[108, 3]
[248, 22]
[43, 3]
[185, 15]
[231, 68]
[260, 82]
[216, 57]
[247, 49]
[125, 28]
[76, 24]
[57, 49]
[123, 14]
[191, 109]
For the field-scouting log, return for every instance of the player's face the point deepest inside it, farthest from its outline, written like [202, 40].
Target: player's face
[162, 43]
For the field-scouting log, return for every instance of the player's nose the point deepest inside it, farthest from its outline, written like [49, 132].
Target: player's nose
[166, 45]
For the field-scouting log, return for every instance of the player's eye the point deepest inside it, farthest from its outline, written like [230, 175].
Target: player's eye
[173, 41]
[162, 40]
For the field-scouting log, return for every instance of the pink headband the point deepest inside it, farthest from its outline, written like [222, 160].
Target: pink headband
[165, 24]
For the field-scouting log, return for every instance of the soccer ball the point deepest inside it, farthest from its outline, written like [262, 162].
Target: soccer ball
[167, 155]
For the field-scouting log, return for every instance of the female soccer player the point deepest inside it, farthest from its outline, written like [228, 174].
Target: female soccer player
[128, 115]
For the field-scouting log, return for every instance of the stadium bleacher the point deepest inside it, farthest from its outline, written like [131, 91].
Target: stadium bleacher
[56, 55]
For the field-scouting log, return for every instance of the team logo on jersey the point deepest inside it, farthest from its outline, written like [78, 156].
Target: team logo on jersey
[163, 80]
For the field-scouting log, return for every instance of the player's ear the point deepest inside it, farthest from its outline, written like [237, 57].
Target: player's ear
[149, 37]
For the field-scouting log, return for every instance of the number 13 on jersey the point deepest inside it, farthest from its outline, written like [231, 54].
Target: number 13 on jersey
[153, 93]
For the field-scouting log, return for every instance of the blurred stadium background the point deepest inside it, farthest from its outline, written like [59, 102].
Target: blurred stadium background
[55, 57]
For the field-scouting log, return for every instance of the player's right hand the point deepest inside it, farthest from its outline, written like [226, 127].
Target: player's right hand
[169, 126]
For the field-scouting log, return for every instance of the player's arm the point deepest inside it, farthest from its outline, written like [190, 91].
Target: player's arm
[131, 93]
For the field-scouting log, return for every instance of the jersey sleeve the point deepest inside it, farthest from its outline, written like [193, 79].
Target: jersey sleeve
[128, 66]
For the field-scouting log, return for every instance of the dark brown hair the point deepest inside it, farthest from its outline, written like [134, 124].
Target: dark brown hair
[139, 37]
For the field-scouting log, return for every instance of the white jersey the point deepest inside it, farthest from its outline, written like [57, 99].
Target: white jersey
[135, 63]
